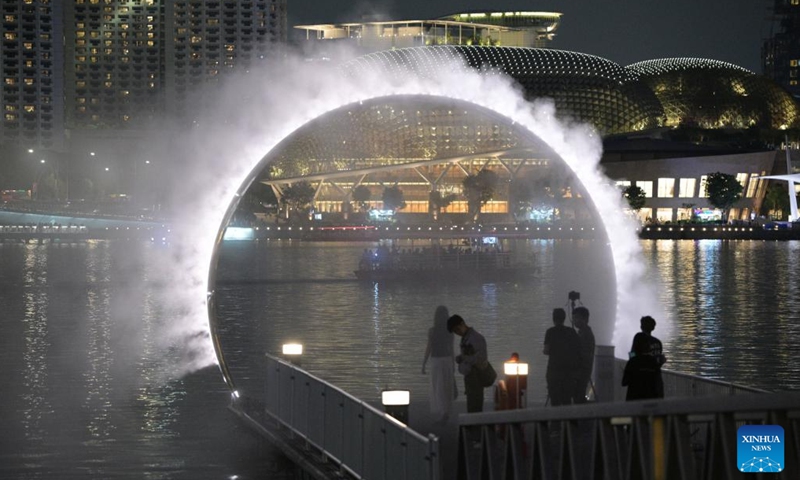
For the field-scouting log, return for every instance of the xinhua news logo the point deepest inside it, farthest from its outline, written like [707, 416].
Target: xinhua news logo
[760, 448]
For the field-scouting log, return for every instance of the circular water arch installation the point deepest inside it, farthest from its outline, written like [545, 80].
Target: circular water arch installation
[385, 136]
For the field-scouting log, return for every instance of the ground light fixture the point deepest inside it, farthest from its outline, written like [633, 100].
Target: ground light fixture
[517, 383]
[395, 404]
[292, 352]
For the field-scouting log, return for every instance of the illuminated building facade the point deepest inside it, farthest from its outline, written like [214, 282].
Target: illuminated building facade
[780, 53]
[521, 29]
[128, 61]
[32, 62]
[713, 94]
[423, 148]
[73, 67]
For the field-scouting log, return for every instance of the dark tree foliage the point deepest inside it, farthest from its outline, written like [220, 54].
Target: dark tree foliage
[777, 200]
[479, 189]
[362, 195]
[635, 196]
[298, 197]
[437, 202]
[723, 191]
[393, 198]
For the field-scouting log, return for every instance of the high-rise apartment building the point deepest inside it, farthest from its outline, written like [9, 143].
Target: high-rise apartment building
[83, 66]
[32, 65]
[780, 54]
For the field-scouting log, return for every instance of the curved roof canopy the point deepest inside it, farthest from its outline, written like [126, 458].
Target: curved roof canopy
[584, 87]
[400, 131]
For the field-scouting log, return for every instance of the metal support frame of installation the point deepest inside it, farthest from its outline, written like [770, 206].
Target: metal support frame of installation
[363, 441]
[675, 439]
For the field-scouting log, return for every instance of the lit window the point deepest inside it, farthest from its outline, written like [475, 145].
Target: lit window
[11, 116]
[11, 81]
[684, 214]
[623, 184]
[108, 84]
[647, 186]
[28, 81]
[666, 187]
[30, 108]
[11, 36]
[703, 186]
[80, 84]
[664, 215]
[11, 108]
[686, 188]
[751, 187]
[28, 45]
[742, 179]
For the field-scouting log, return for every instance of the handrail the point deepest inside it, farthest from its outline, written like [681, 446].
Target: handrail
[680, 384]
[675, 439]
[362, 440]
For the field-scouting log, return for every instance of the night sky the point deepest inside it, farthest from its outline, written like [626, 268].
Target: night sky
[624, 31]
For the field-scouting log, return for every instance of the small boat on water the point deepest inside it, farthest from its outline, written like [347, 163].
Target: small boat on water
[463, 262]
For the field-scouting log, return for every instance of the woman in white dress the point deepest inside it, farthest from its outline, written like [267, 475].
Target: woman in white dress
[439, 351]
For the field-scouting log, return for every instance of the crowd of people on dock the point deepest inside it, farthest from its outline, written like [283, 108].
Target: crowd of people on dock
[570, 351]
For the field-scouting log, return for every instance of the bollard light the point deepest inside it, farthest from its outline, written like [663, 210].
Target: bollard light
[292, 349]
[517, 383]
[395, 404]
[515, 368]
[293, 352]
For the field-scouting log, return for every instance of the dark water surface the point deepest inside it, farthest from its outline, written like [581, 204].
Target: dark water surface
[85, 389]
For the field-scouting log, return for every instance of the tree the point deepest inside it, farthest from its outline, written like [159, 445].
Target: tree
[723, 190]
[479, 189]
[361, 195]
[393, 198]
[437, 202]
[298, 197]
[777, 200]
[635, 196]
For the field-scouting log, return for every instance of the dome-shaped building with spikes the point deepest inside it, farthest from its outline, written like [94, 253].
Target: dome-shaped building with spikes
[584, 88]
[713, 94]
[639, 110]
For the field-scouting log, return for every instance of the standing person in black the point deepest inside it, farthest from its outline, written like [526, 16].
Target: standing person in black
[654, 347]
[561, 345]
[586, 339]
[473, 358]
[642, 372]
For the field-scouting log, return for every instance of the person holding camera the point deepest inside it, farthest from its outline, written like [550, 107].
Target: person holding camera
[472, 361]
[561, 345]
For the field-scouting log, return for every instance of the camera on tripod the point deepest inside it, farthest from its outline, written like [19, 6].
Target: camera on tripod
[573, 296]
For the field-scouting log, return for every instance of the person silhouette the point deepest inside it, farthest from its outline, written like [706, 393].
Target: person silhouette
[439, 350]
[561, 345]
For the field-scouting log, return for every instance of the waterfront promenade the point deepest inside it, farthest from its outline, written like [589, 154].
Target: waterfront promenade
[691, 434]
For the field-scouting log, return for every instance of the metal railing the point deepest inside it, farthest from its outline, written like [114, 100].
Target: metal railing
[678, 384]
[365, 442]
[671, 439]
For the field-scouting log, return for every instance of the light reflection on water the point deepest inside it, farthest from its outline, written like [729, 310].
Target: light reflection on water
[85, 389]
[735, 319]
[735, 307]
